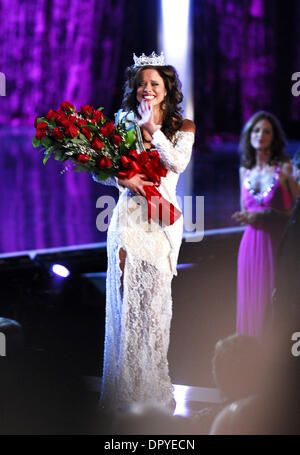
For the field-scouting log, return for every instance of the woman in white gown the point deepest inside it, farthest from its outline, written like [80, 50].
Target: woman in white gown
[142, 254]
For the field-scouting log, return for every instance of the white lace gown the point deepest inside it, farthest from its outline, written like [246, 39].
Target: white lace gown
[138, 315]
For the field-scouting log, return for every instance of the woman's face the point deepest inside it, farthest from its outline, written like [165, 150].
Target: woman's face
[261, 136]
[151, 87]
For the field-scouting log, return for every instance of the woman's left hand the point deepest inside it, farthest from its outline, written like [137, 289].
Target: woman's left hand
[146, 121]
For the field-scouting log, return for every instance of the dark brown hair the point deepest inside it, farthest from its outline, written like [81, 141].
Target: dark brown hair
[248, 153]
[172, 113]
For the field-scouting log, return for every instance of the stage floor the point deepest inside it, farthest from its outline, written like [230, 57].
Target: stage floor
[189, 399]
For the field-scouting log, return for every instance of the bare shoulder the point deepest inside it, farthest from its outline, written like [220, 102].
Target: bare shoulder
[188, 126]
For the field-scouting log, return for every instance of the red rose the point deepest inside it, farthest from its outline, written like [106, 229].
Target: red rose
[104, 163]
[73, 131]
[64, 122]
[97, 144]
[97, 115]
[87, 132]
[66, 106]
[117, 139]
[110, 126]
[83, 158]
[51, 114]
[107, 129]
[81, 122]
[70, 128]
[60, 117]
[42, 125]
[104, 131]
[57, 134]
[72, 118]
[42, 128]
[40, 133]
[87, 109]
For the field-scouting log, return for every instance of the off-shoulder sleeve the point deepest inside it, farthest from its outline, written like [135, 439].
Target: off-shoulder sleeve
[175, 156]
[111, 181]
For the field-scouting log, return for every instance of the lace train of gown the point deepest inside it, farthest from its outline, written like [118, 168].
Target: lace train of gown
[138, 313]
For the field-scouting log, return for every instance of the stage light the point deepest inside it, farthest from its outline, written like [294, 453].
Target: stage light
[175, 15]
[175, 39]
[185, 266]
[176, 42]
[180, 395]
[60, 270]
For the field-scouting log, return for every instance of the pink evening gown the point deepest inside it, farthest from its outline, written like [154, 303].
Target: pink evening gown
[257, 256]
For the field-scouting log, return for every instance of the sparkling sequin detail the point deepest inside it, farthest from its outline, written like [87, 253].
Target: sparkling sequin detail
[260, 196]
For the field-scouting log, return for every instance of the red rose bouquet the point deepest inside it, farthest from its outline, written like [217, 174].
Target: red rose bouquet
[95, 144]
[87, 138]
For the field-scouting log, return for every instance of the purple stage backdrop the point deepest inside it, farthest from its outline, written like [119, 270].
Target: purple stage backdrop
[245, 53]
[55, 51]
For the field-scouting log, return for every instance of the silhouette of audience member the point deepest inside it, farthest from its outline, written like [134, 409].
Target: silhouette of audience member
[273, 411]
[238, 366]
[273, 404]
[238, 370]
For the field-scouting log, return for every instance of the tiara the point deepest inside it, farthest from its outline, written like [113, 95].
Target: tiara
[152, 59]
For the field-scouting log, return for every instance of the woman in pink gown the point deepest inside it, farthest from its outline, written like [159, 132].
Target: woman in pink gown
[268, 190]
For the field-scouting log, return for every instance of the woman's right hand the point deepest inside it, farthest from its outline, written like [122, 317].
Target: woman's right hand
[136, 183]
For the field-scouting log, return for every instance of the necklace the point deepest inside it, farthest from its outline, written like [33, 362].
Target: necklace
[260, 195]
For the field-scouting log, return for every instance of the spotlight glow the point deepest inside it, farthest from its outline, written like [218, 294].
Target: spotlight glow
[175, 15]
[60, 270]
[180, 395]
[185, 266]
[175, 39]
[176, 42]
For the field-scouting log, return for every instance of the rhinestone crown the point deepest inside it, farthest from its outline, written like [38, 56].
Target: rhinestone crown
[152, 59]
